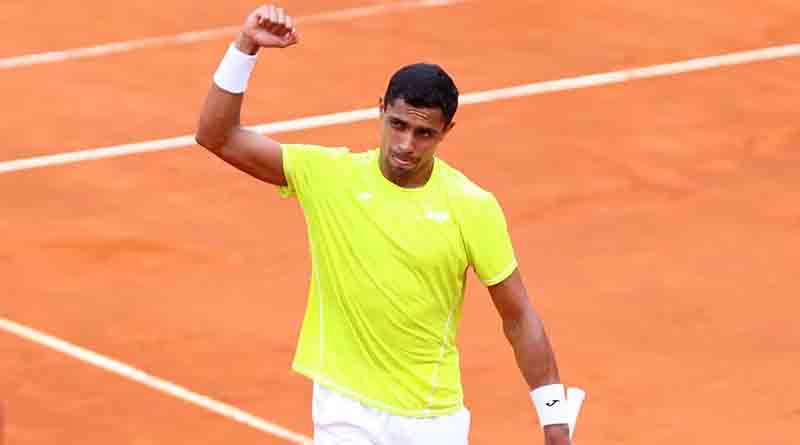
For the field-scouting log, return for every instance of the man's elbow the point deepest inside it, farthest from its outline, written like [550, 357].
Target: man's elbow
[208, 139]
[205, 142]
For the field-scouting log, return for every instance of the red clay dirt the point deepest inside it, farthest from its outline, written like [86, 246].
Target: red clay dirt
[656, 221]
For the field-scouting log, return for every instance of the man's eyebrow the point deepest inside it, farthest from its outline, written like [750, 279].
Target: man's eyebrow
[422, 127]
[431, 129]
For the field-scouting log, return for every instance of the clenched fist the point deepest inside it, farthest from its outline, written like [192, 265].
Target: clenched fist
[267, 27]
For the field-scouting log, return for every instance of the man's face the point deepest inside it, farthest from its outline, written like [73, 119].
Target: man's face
[408, 141]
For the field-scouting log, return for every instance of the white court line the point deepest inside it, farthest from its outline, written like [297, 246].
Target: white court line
[305, 123]
[210, 34]
[156, 383]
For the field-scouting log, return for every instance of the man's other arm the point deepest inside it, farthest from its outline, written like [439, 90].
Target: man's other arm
[525, 331]
[219, 129]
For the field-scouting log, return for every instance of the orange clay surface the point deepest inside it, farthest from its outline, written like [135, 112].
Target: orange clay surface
[657, 222]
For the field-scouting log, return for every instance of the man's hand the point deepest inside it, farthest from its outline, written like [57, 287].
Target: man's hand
[267, 27]
[556, 435]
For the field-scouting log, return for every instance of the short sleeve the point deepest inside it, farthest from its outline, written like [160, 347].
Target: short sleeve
[307, 168]
[488, 243]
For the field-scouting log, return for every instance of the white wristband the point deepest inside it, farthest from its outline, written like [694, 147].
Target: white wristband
[234, 70]
[575, 398]
[551, 404]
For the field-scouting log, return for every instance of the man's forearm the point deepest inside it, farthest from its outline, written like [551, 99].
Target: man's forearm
[532, 349]
[536, 360]
[525, 331]
[220, 115]
[222, 109]
[221, 112]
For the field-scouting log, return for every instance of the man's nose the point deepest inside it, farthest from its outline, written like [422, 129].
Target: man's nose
[406, 141]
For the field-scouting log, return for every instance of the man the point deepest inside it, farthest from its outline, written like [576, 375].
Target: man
[392, 232]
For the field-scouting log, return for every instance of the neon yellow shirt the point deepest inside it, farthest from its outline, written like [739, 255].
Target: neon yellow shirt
[388, 274]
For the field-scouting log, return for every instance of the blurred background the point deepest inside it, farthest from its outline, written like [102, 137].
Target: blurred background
[654, 212]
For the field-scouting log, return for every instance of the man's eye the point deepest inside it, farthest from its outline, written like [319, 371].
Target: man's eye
[396, 124]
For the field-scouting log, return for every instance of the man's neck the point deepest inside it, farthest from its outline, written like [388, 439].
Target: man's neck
[415, 180]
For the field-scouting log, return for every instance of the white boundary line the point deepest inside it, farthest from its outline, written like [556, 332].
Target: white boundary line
[210, 34]
[156, 383]
[363, 114]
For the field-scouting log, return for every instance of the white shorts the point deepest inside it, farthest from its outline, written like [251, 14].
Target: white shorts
[339, 420]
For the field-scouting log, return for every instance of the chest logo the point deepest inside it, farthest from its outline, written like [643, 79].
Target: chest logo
[439, 217]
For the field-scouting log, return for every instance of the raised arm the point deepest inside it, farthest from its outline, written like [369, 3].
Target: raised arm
[524, 330]
[219, 128]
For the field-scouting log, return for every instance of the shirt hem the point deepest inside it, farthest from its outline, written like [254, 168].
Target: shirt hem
[329, 383]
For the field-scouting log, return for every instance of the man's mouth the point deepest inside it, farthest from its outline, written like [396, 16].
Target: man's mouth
[403, 161]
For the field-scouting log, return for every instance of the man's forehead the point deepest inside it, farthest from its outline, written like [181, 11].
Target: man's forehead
[399, 108]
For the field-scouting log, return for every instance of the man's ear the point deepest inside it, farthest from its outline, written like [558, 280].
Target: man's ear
[449, 127]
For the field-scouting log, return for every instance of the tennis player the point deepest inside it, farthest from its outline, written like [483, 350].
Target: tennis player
[392, 232]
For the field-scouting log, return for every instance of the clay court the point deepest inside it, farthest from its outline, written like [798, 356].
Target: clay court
[656, 220]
